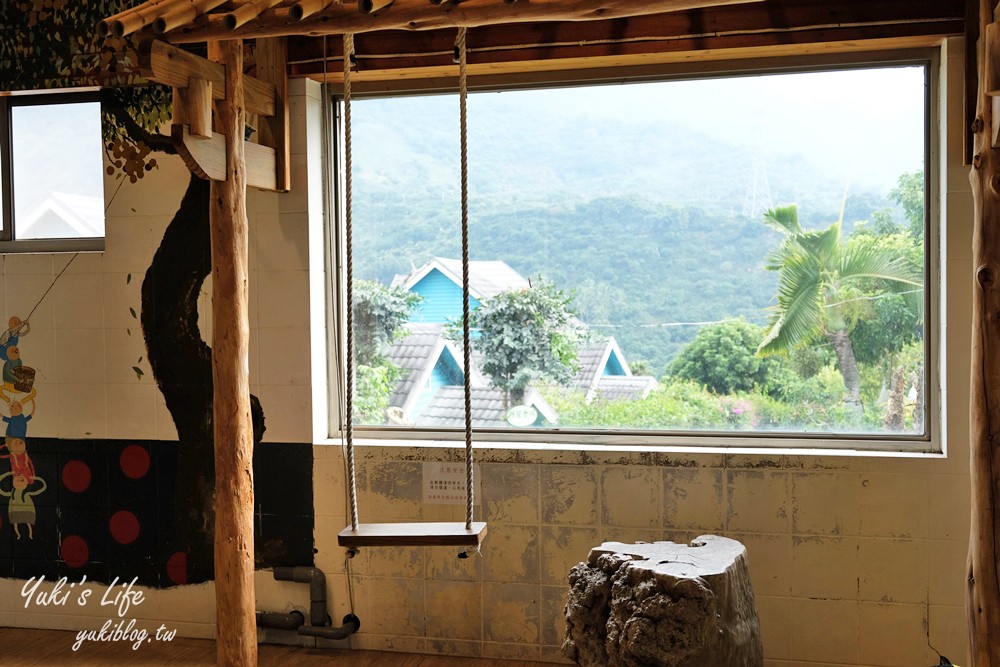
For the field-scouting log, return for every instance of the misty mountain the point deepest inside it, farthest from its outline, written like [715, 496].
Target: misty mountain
[652, 226]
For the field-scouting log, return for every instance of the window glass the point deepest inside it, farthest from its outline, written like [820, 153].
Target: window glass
[728, 254]
[58, 182]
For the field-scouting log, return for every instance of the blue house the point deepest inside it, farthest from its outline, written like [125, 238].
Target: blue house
[430, 391]
[604, 373]
[439, 282]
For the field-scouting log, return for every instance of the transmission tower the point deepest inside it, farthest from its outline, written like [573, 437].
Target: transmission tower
[758, 196]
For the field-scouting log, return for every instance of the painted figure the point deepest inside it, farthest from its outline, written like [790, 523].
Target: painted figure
[21, 508]
[17, 423]
[12, 354]
[15, 329]
[20, 462]
[13, 361]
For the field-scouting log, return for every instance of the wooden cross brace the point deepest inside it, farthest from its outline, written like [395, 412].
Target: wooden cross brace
[197, 81]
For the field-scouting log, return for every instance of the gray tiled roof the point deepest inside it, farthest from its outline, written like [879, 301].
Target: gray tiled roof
[589, 359]
[487, 278]
[411, 354]
[447, 407]
[631, 387]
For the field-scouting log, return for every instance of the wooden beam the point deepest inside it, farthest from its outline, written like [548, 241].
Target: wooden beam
[184, 14]
[305, 8]
[236, 636]
[136, 18]
[983, 582]
[813, 24]
[247, 12]
[370, 6]
[613, 67]
[272, 68]
[171, 66]
[992, 63]
[193, 106]
[207, 158]
[421, 15]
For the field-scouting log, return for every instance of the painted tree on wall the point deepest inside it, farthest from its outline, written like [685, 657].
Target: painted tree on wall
[59, 48]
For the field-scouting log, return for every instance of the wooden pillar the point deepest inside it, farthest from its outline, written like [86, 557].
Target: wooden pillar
[983, 594]
[234, 549]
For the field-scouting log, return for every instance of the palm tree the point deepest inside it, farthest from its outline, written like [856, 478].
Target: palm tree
[816, 271]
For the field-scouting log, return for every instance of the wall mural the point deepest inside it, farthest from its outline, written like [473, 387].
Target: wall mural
[58, 48]
[17, 390]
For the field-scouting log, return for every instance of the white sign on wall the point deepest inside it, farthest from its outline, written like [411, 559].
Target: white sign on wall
[444, 483]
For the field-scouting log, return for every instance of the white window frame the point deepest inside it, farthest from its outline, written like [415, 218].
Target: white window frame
[931, 443]
[9, 243]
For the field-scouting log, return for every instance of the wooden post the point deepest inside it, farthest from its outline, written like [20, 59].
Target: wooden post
[983, 594]
[234, 548]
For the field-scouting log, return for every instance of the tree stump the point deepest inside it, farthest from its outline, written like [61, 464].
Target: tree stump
[664, 604]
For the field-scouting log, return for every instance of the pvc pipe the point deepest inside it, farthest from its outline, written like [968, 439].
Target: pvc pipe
[302, 574]
[278, 621]
[351, 625]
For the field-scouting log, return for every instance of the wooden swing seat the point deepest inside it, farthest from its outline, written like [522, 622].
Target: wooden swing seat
[421, 534]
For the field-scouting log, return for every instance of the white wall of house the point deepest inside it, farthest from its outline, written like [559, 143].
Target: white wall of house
[856, 560]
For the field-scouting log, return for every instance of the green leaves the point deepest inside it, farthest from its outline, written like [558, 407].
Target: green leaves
[528, 334]
[379, 314]
[815, 268]
[873, 261]
[798, 313]
[784, 219]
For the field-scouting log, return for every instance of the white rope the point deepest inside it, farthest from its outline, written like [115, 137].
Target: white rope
[352, 491]
[349, 295]
[463, 93]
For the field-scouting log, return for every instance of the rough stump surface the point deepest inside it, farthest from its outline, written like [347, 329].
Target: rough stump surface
[664, 604]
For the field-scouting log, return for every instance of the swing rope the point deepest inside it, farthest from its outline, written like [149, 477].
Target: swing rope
[463, 93]
[348, 240]
[460, 47]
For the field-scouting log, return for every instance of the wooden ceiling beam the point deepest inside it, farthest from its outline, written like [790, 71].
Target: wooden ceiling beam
[417, 15]
[762, 25]
[655, 64]
[595, 55]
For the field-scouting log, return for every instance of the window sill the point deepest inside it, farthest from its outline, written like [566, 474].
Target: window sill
[660, 454]
[52, 245]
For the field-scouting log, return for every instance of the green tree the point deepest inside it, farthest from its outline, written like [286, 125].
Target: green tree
[379, 313]
[723, 357]
[909, 194]
[528, 334]
[818, 290]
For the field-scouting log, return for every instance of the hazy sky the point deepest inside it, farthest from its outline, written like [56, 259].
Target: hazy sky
[865, 125]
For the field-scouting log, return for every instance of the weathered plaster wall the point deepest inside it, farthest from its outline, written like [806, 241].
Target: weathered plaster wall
[855, 560]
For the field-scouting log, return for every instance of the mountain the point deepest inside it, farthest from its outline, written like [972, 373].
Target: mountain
[652, 226]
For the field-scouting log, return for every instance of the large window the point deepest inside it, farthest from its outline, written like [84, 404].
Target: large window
[732, 260]
[52, 172]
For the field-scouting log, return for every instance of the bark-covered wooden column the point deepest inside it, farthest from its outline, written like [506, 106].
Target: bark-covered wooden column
[983, 595]
[234, 549]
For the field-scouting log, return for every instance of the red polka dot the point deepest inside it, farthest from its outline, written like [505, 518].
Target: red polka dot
[177, 567]
[134, 461]
[74, 551]
[124, 527]
[76, 476]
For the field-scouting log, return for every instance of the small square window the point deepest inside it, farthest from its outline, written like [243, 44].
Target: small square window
[53, 180]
